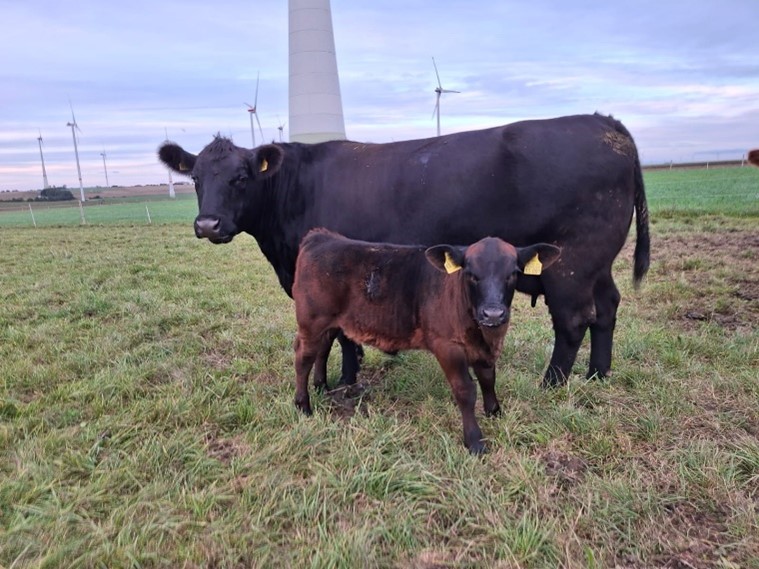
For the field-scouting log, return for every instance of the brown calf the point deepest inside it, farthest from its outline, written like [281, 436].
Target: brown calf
[451, 301]
[753, 157]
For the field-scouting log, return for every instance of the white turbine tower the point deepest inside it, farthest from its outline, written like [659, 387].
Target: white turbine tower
[75, 127]
[45, 185]
[281, 129]
[105, 169]
[315, 105]
[252, 111]
[439, 91]
[172, 193]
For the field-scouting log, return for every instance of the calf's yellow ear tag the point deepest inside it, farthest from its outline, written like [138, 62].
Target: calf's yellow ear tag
[450, 265]
[533, 266]
[264, 166]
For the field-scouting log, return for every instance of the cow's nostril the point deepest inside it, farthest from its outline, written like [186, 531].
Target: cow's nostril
[493, 312]
[207, 226]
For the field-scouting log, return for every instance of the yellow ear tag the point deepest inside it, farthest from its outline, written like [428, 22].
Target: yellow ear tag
[450, 265]
[264, 166]
[533, 266]
[183, 167]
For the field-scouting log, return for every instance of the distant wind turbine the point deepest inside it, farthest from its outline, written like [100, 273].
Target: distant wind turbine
[45, 185]
[74, 126]
[105, 169]
[252, 112]
[439, 91]
[172, 193]
[281, 129]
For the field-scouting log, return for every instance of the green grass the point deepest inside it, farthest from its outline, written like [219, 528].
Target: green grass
[727, 190]
[146, 419]
[697, 191]
[101, 212]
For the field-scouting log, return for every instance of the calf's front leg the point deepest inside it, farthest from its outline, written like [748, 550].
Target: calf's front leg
[305, 354]
[486, 378]
[456, 369]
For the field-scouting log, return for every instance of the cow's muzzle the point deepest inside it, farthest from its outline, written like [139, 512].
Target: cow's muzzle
[492, 316]
[207, 227]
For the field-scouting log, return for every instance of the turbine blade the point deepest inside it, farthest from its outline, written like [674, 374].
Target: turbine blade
[255, 101]
[259, 128]
[450, 91]
[436, 73]
[436, 110]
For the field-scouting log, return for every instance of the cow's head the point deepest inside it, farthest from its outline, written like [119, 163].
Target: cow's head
[228, 180]
[753, 157]
[489, 271]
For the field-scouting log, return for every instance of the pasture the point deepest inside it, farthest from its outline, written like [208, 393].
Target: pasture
[146, 414]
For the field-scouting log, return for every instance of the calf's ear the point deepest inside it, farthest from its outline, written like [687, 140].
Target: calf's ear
[536, 258]
[446, 258]
[176, 158]
[266, 160]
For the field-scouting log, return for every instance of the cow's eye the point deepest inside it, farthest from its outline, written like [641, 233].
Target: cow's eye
[240, 182]
[474, 279]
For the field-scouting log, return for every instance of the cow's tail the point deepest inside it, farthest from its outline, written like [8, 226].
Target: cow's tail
[643, 241]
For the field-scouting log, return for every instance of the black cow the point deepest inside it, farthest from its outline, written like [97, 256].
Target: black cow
[452, 301]
[572, 181]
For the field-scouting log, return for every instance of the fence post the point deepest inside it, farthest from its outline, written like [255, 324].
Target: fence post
[32, 214]
[81, 213]
[148, 212]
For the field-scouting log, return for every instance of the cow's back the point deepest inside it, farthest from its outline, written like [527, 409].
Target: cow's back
[546, 180]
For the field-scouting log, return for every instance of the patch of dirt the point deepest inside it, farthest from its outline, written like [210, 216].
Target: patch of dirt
[346, 400]
[568, 470]
[722, 270]
[224, 449]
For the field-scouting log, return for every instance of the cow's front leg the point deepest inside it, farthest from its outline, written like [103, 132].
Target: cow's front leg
[486, 378]
[456, 369]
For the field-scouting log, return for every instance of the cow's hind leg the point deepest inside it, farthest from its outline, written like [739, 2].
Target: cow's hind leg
[607, 299]
[572, 311]
[486, 378]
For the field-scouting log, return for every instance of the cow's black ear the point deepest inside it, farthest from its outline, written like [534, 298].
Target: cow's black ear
[266, 160]
[446, 258]
[176, 158]
[537, 258]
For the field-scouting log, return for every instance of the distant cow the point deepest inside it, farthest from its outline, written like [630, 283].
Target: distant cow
[452, 301]
[753, 157]
[571, 181]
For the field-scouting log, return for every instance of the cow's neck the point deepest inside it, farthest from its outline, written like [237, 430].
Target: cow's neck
[277, 227]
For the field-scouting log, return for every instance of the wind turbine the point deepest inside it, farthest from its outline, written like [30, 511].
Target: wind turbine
[105, 169]
[73, 126]
[439, 91]
[281, 129]
[172, 194]
[252, 111]
[42, 158]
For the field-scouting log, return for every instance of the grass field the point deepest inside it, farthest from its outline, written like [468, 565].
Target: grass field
[146, 418]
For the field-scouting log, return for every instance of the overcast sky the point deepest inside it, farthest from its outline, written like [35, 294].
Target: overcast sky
[682, 75]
